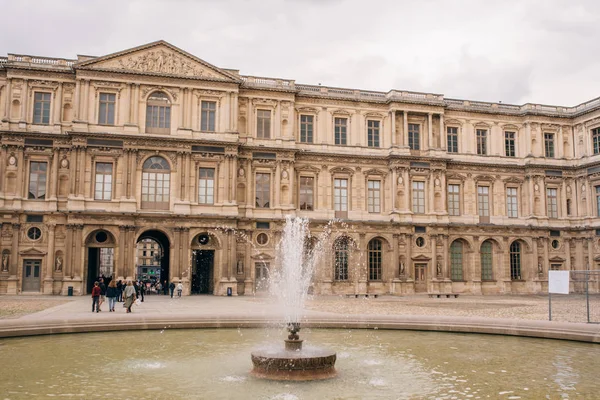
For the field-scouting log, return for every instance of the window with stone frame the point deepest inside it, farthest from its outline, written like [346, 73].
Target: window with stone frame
[487, 267]
[509, 144]
[453, 199]
[596, 140]
[206, 186]
[306, 193]
[307, 128]
[483, 201]
[418, 197]
[549, 145]
[598, 201]
[208, 116]
[263, 190]
[552, 202]
[373, 133]
[158, 113]
[106, 108]
[41, 108]
[341, 254]
[263, 124]
[103, 181]
[456, 261]
[156, 183]
[512, 201]
[515, 261]
[340, 131]
[375, 256]
[374, 196]
[481, 141]
[340, 196]
[452, 134]
[38, 172]
[414, 136]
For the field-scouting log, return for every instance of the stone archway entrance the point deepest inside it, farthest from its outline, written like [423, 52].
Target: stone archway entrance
[100, 258]
[162, 253]
[204, 253]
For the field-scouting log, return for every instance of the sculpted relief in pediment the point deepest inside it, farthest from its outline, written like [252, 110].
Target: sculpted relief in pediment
[163, 61]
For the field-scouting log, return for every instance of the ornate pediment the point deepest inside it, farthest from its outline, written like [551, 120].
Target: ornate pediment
[421, 257]
[557, 259]
[32, 252]
[157, 58]
[262, 256]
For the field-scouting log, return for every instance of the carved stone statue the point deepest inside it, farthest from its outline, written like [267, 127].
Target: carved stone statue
[241, 171]
[402, 270]
[5, 262]
[59, 262]
[439, 268]
[540, 269]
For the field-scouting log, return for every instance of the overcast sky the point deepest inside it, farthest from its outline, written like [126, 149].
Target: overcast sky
[514, 51]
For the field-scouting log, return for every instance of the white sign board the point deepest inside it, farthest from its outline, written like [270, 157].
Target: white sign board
[558, 282]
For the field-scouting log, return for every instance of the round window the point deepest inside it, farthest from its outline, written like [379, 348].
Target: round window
[420, 242]
[101, 237]
[262, 238]
[555, 244]
[203, 239]
[34, 233]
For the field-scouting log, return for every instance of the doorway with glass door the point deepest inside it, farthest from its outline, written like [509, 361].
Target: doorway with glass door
[420, 278]
[32, 271]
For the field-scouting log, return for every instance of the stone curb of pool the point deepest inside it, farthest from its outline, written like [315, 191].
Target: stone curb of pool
[528, 328]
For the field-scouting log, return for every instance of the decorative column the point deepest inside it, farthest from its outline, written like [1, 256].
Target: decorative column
[430, 144]
[277, 185]
[53, 181]
[176, 250]
[120, 256]
[7, 98]
[590, 248]
[50, 257]
[232, 179]
[535, 255]
[14, 250]
[24, 97]
[409, 265]
[78, 253]
[393, 127]
[443, 134]
[445, 269]
[68, 266]
[181, 162]
[58, 104]
[568, 245]
[404, 136]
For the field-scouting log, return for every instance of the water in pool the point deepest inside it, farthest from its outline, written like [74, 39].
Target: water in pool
[372, 364]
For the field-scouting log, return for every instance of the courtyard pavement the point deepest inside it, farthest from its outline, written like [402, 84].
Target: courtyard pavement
[511, 315]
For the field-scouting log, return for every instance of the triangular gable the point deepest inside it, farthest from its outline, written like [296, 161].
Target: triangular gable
[158, 58]
[557, 259]
[421, 257]
[32, 252]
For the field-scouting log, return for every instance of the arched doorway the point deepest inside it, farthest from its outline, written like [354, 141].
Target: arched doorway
[158, 245]
[204, 246]
[100, 257]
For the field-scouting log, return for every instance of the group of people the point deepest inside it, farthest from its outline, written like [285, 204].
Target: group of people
[166, 288]
[127, 293]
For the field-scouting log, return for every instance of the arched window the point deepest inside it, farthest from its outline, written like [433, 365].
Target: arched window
[487, 270]
[158, 113]
[456, 260]
[515, 261]
[156, 179]
[374, 250]
[341, 259]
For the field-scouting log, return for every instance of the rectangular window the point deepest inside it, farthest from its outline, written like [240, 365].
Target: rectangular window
[509, 144]
[306, 128]
[452, 139]
[418, 197]
[373, 133]
[453, 199]
[307, 193]
[208, 116]
[374, 196]
[41, 108]
[483, 201]
[552, 201]
[340, 130]
[340, 196]
[511, 203]
[414, 141]
[263, 190]
[144, 253]
[106, 112]
[263, 121]
[554, 267]
[104, 181]
[482, 142]
[598, 200]
[37, 180]
[206, 186]
[549, 144]
[596, 140]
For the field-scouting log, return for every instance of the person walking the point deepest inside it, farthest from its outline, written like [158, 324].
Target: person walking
[102, 292]
[165, 288]
[142, 289]
[179, 289]
[172, 288]
[112, 294]
[95, 297]
[129, 295]
[119, 291]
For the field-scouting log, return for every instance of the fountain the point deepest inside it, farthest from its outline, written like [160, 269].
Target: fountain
[290, 286]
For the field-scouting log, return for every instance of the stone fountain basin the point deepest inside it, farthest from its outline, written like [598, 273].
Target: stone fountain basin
[308, 364]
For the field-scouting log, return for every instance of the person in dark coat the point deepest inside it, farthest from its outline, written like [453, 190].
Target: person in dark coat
[142, 289]
[112, 293]
[95, 297]
[119, 291]
[172, 288]
[102, 292]
[165, 288]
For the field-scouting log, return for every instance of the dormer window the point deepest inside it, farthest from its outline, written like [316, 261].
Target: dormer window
[158, 113]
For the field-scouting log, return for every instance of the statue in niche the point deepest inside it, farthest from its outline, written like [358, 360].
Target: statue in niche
[59, 262]
[540, 268]
[284, 174]
[402, 270]
[240, 266]
[5, 260]
[439, 268]
[241, 172]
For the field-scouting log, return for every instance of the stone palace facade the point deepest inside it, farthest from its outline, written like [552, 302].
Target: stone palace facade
[435, 194]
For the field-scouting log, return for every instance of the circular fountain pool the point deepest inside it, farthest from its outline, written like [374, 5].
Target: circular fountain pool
[215, 364]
